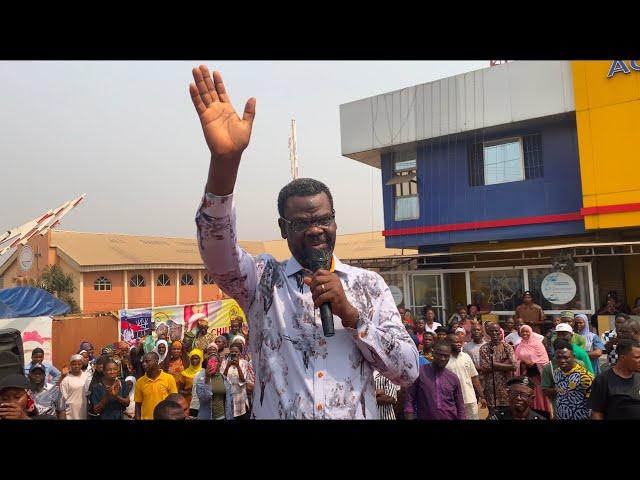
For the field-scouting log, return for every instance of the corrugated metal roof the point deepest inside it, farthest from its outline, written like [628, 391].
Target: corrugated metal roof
[93, 249]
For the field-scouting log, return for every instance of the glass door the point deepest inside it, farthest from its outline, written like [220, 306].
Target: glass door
[426, 289]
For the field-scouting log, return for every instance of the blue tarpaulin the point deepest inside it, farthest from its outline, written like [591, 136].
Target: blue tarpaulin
[21, 302]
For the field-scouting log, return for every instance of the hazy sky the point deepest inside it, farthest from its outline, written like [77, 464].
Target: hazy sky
[126, 133]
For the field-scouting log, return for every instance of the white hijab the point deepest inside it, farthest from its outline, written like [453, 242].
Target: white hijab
[166, 351]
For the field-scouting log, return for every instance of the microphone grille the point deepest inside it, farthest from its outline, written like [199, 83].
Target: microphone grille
[318, 259]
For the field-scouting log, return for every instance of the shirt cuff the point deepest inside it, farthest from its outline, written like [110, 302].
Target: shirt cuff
[215, 206]
[361, 326]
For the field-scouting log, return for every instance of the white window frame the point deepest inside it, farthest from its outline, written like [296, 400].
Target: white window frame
[137, 281]
[186, 284]
[524, 268]
[103, 284]
[400, 157]
[503, 141]
[206, 276]
[163, 284]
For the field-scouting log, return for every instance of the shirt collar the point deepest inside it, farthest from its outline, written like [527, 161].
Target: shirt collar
[293, 266]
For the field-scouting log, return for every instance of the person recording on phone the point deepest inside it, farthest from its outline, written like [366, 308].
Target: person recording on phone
[303, 370]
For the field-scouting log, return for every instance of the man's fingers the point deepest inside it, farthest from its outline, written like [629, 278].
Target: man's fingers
[220, 88]
[206, 76]
[196, 99]
[249, 111]
[324, 298]
[202, 87]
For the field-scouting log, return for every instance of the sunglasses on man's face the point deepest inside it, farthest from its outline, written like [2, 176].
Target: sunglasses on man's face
[299, 225]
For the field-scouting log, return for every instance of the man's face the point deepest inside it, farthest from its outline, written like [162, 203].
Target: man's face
[520, 398]
[456, 343]
[175, 332]
[473, 310]
[14, 395]
[517, 323]
[631, 361]
[427, 340]
[463, 314]
[431, 316]
[420, 325]
[567, 320]
[36, 376]
[509, 324]
[565, 359]
[441, 335]
[619, 322]
[236, 324]
[176, 351]
[441, 356]
[556, 321]
[37, 357]
[476, 333]
[527, 299]
[185, 406]
[149, 363]
[565, 336]
[302, 237]
[494, 332]
[219, 343]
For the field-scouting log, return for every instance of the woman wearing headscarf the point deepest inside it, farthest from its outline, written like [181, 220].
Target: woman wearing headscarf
[176, 361]
[184, 380]
[73, 390]
[214, 392]
[594, 345]
[88, 347]
[162, 349]
[531, 357]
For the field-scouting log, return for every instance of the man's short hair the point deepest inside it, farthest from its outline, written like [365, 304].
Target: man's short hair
[441, 329]
[443, 342]
[561, 344]
[301, 187]
[154, 355]
[175, 397]
[37, 350]
[625, 345]
[164, 408]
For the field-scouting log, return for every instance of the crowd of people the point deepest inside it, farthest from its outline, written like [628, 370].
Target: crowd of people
[509, 369]
[204, 377]
[515, 371]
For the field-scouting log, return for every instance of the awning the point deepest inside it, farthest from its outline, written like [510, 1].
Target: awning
[401, 179]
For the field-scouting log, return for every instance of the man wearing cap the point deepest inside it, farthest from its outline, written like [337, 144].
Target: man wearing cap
[530, 312]
[46, 395]
[16, 400]
[564, 331]
[203, 336]
[37, 356]
[521, 393]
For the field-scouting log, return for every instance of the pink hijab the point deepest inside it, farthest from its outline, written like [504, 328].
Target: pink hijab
[531, 350]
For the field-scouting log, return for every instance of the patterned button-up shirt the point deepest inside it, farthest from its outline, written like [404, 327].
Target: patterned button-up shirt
[299, 373]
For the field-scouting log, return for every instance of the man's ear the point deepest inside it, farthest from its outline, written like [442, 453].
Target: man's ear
[283, 228]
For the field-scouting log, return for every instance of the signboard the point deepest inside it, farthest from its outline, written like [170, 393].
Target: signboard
[36, 332]
[558, 288]
[397, 294]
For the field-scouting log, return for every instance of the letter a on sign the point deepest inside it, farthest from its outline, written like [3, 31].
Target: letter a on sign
[618, 66]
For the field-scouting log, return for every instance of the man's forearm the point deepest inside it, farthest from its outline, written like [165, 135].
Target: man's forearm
[222, 175]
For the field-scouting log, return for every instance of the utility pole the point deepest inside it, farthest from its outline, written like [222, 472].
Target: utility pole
[293, 153]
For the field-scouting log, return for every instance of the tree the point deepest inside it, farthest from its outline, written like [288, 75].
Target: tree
[55, 281]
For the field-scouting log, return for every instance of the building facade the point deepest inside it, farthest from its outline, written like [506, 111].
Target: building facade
[522, 176]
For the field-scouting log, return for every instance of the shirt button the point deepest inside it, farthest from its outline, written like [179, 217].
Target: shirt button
[320, 374]
[319, 407]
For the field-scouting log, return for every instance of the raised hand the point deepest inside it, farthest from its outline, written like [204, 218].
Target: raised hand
[227, 134]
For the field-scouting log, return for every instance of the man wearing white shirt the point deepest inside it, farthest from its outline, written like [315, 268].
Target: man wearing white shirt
[462, 365]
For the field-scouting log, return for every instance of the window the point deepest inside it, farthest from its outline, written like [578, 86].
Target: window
[136, 281]
[102, 284]
[569, 290]
[186, 279]
[500, 289]
[207, 279]
[163, 280]
[405, 185]
[505, 160]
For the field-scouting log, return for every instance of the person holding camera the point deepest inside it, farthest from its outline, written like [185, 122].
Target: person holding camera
[234, 369]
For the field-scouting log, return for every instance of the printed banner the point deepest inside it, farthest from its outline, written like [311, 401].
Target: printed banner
[175, 321]
[36, 332]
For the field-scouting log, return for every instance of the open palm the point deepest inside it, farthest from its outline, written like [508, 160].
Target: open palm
[225, 132]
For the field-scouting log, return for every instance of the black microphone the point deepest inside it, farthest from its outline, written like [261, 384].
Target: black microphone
[318, 259]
